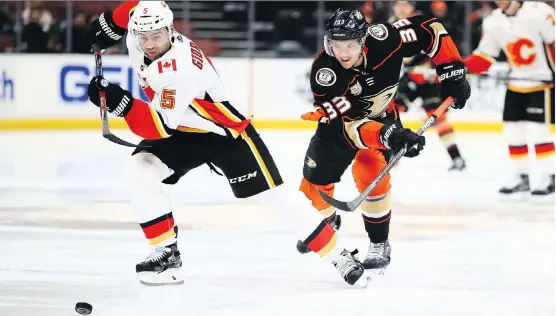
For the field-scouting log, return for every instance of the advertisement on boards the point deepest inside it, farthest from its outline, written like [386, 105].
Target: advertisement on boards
[55, 87]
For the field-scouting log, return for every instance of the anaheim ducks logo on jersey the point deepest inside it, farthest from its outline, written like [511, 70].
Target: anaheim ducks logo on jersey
[378, 103]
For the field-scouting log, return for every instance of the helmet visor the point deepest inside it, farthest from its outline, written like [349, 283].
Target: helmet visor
[152, 42]
[344, 47]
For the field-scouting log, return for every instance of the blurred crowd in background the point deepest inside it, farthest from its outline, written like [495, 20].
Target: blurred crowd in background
[226, 28]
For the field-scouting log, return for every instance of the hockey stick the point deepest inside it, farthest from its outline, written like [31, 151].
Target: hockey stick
[103, 112]
[432, 72]
[508, 78]
[352, 205]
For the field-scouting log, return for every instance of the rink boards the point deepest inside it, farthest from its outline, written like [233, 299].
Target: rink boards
[50, 92]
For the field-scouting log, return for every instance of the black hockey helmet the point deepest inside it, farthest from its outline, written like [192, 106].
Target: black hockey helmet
[345, 25]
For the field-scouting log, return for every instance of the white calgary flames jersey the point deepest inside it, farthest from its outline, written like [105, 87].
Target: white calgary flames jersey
[182, 79]
[524, 38]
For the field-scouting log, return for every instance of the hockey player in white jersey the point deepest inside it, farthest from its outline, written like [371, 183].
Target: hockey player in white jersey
[524, 30]
[189, 122]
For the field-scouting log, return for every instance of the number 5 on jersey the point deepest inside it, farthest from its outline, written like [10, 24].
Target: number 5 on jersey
[168, 99]
[338, 104]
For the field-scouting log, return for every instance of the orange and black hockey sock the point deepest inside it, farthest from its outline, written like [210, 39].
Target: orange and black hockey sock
[160, 231]
[322, 239]
[377, 227]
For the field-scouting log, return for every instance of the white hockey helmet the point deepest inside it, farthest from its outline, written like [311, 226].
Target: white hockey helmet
[151, 16]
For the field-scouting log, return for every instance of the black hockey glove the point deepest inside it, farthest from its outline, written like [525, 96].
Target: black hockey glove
[104, 32]
[395, 137]
[453, 82]
[118, 100]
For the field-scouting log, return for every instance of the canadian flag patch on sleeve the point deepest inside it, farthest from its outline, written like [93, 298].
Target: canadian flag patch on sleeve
[167, 65]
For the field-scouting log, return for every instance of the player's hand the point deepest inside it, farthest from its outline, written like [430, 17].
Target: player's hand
[396, 137]
[317, 115]
[103, 31]
[453, 82]
[118, 100]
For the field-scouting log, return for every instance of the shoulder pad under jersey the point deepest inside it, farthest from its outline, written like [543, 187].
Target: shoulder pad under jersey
[382, 40]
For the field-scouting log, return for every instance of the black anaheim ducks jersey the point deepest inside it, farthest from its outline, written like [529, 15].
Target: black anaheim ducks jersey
[369, 90]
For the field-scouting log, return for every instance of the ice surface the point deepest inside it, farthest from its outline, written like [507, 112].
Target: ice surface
[68, 235]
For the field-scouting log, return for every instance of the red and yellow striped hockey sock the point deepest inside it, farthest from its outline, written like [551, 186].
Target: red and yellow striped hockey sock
[519, 155]
[545, 157]
[160, 231]
[322, 240]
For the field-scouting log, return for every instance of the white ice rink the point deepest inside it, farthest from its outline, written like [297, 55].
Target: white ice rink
[67, 235]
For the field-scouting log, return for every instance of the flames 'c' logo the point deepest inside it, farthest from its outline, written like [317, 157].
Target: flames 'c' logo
[517, 52]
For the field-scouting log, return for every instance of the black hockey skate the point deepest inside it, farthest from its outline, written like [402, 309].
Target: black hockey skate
[335, 221]
[161, 267]
[458, 164]
[545, 190]
[378, 256]
[350, 268]
[519, 185]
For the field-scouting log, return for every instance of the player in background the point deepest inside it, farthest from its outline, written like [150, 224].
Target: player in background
[422, 84]
[524, 30]
[189, 122]
[354, 80]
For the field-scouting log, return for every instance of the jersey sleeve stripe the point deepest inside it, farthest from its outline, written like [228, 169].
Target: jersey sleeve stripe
[432, 35]
[484, 56]
[122, 13]
[201, 110]
[229, 115]
[158, 123]
[220, 115]
[143, 121]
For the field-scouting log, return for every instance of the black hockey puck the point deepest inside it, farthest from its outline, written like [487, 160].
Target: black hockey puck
[83, 308]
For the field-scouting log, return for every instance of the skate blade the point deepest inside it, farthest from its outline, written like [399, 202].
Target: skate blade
[517, 197]
[168, 277]
[363, 281]
[542, 199]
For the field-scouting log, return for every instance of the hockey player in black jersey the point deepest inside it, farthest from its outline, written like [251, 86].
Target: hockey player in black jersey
[354, 80]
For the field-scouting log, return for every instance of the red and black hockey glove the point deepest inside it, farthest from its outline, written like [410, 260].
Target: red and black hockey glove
[395, 137]
[118, 100]
[104, 32]
[453, 82]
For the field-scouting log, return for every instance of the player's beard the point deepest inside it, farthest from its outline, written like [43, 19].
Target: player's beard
[154, 54]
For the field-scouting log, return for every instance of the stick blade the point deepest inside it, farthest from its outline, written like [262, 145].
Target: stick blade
[115, 139]
[344, 206]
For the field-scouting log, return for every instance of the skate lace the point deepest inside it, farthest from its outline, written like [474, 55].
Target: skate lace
[376, 250]
[157, 254]
[345, 263]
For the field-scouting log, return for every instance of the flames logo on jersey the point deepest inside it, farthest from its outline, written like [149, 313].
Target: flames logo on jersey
[516, 54]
